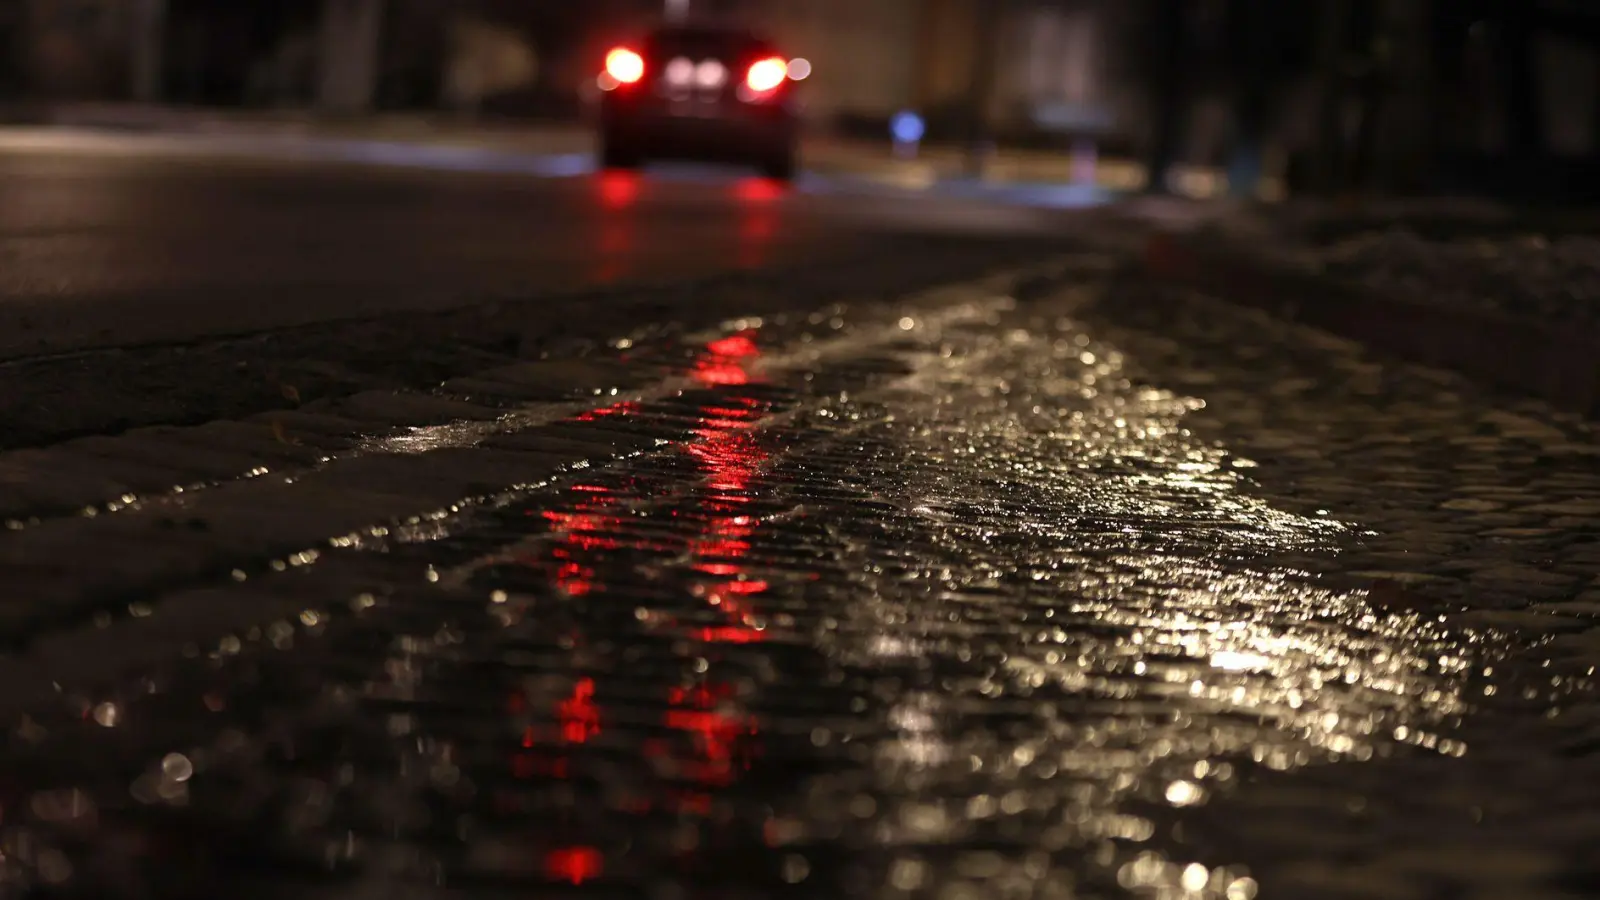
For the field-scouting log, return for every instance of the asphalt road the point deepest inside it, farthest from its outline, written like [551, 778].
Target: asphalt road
[108, 240]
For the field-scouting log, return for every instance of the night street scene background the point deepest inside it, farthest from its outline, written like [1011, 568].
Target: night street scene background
[680, 449]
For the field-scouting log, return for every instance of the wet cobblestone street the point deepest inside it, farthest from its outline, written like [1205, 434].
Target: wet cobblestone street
[1094, 590]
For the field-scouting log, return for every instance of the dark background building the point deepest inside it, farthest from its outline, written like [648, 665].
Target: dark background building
[1332, 94]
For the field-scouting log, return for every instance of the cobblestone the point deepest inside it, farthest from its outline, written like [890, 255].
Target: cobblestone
[397, 408]
[1510, 536]
[176, 463]
[955, 596]
[269, 447]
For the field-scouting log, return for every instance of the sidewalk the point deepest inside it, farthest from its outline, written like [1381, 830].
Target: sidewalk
[822, 153]
[1510, 297]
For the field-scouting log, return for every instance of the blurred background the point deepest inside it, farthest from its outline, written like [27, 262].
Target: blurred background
[1321, 97]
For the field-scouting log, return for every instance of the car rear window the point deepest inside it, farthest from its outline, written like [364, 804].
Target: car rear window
[706, 44]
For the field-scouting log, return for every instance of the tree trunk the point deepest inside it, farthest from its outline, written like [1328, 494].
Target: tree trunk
[348, 54]
[1328, 175]
[985, 60]
[1171, 60]
[1526, 126]
[148, 36]
[1252, 82]
[1411, 132]
[1594, 115]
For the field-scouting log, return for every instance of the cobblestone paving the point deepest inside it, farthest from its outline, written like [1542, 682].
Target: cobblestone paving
[1461, 254]
[1483, 513]
[1551, 279]
[1106, 593]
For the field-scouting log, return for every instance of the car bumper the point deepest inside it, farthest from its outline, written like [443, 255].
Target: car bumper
[739, 134]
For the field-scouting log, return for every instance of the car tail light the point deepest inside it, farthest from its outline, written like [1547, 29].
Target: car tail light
[767, 74]
[624, 65]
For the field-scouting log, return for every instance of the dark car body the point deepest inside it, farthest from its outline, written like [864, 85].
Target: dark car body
[703, 92]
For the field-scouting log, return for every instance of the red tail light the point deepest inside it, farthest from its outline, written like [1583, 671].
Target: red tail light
[767, 74]
[624, 65]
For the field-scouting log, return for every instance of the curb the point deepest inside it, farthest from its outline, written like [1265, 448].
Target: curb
[1525, 356]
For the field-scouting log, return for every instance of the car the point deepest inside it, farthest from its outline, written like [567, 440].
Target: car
[704, 92]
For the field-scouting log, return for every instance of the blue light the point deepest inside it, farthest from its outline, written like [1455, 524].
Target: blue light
[906, 127]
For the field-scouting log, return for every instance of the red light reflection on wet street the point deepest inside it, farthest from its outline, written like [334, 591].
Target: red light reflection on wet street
[758, 219]
[709, 739]
[578, 714]
[574, 865]
[616, 243]
[720, 736]
[725, 361]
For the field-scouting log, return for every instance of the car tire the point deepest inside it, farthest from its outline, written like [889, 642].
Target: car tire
[615, 154]
[780, 167]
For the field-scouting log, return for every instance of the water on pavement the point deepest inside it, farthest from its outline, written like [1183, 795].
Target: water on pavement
[941, 604]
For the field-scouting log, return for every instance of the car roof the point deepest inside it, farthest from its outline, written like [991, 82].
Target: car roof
[706, 31]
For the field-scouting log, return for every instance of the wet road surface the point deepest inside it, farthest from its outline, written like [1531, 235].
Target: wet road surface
[109, 240]
[1095, 591]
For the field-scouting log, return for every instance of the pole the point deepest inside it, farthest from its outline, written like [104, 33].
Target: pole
[348, 55]
[12, 23]
[1330, 139]
[1412, 124]
[1525, 111]
[148, 34]
[1370, 33]
[1594, 118]
[985, 60]
[1250, 42]
[1172, 40]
